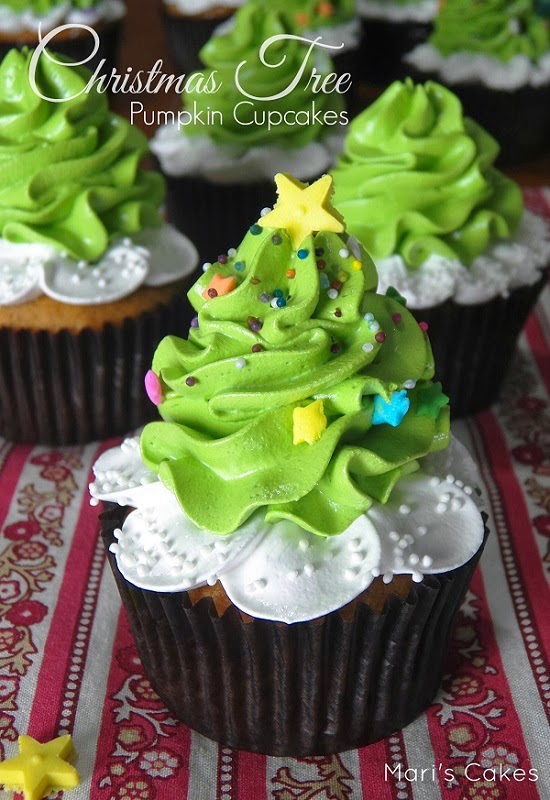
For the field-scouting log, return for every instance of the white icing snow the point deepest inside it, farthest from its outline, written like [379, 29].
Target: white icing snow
[431, 524]
[507, 265]
[423, 11]
[464, 67]
[154, 257]
[16, 22]
[191, 7]
[181, 155]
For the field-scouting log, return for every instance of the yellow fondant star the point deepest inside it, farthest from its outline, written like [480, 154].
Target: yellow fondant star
[303, 209]
[40, 768]
[309, 423]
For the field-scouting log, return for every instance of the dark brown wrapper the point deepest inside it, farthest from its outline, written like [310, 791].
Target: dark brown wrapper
[473, 345]
[383, 46]
[66, 388]
[310, 688]
[187, 35]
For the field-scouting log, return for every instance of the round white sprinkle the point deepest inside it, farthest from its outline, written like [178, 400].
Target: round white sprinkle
[303, 544]
[240, 363]
[460, 484]
[427, 561]
[94, 501]
[333, 294]
[450, 478]
[374, 326]
[117, 533]
[273, 303]
[387, 577]
[375, 572]
[369, 317]
[343, 253]
[265, 211]
[114, 548]
[231, 252]
[456, 503]
[404, 509]
[468, 490]
[354, 544]
[408, 538]
[417, 576]
[368, 347]
[414, 559]
[292, 575]
[434, 481]
[212, 580]
[261, 583]
[394, 536]
[309, 569]
[206, 266]
[422, 530]
[441, 508]
[350, 573]
[445, 497]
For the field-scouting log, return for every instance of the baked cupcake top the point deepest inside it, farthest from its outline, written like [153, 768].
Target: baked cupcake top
[79, 218]
[18, 15]
[500, 43]
[299, 418]
[417, 186]
[253, 124]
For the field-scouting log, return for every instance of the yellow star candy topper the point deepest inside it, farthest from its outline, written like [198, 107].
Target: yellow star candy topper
[39, 768]
[308, 423]
[303, 209]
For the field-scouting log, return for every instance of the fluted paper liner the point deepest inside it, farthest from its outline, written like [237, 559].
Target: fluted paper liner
[309, 688]
[64, 388]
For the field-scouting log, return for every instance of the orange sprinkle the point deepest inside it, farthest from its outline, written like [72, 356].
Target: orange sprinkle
[221, 285]
[290, 273]
[302, 19]
[325, 9]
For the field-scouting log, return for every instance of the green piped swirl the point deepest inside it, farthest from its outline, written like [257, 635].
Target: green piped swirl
[312, 15]
[225, 447]
[45, 6]
[253, 25]
[416, 179]
[498, 28]
[69, 171]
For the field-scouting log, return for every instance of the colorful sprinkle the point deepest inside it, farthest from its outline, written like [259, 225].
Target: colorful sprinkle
[337, 312]
[257, 348]
[302, 254]
[195, 322]
[153, 388]
[281, 302]
[291, 273]
[239, 266]
[255, 230]
[277, 293]
[190, 381]
[276, 239]
[308, 423]
[255, 281]
[423, 326]
[342, 276]
[336, 285]
[321, 264]
[265, 297]
[212, 292]
[222, 259]
[240, 363]
[219, 286]
[380, 337]
[319, 252]
[254, 324]
[392, 412]
[356, 265]
[335, 348]
[396, 318]
[324, 281]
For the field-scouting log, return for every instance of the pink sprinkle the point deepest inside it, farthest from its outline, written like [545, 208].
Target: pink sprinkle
[396, 318]
[380, 337]
[423, 326]
[153, 388]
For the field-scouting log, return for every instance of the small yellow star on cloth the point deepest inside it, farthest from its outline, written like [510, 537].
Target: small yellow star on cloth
[309, 423]
[303, 209]
[40, 768]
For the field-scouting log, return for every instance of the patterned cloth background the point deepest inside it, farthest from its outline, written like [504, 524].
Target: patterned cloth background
[68, 664]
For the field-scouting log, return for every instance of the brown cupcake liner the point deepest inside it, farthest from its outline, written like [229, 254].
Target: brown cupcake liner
[76, 47]
[66, 388]
[187, 35]
[473, 345]
[383, 46]
[312, 688]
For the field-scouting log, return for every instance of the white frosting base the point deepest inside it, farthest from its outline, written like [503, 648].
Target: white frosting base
[14, 22]
[507, 265]
[431, 524]
[464, 67]
[423, 11]
[180, 155]
[200, 6]
[155, 257]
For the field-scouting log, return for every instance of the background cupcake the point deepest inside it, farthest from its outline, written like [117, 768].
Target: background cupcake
[417, 186]
[391, 28]
[220, 165]
[20, 23]
[189, 24]
[295, 471]
[90, 277]
[496, 57]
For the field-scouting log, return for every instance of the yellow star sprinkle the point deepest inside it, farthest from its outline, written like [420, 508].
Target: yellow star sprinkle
[303, 209]
[39, 768]
[309, 423]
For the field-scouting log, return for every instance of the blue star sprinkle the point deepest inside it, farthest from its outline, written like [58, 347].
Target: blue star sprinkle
[393, 412]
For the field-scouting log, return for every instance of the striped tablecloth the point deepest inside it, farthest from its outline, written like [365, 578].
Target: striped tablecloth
[68, 663]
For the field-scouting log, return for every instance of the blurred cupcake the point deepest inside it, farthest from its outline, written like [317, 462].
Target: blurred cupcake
[449, 232]
[189, 24]
[90, 277]
[220, 162]
[391, 28]
[294, 540]
[495, 56]
[23, 24]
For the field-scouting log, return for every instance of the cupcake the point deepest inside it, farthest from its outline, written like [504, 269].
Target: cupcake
[90, 277]
[495, 56]
[391, 28]
[244, 120]
[448, 231]
[23, 24]
[189, 24]
[293, 539]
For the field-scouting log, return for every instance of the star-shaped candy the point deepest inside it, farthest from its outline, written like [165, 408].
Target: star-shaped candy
[309, 423]
[219, 285]
[431, 400]
[302, 209]
[393, 412]
[40, 768]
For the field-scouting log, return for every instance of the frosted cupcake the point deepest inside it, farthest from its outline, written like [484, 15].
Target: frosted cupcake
[90, 277]
[391, 28]
[418, 188]
[23, 23]
[220, 164]
[294, 539]
[496, 57]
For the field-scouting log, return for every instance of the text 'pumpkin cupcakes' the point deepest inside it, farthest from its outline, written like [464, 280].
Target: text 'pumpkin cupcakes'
[295, 538]
[90, 277]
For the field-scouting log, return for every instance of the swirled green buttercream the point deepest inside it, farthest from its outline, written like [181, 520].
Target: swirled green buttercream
[45, 6]
[242, 119]
[297, 326]
[69, 171]
[416, 179]
[498, 28]
[312, 15]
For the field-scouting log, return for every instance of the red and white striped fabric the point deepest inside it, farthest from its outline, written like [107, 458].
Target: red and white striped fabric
[68, 663]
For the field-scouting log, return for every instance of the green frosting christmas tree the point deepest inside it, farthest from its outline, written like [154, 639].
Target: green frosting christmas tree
[300, 391]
